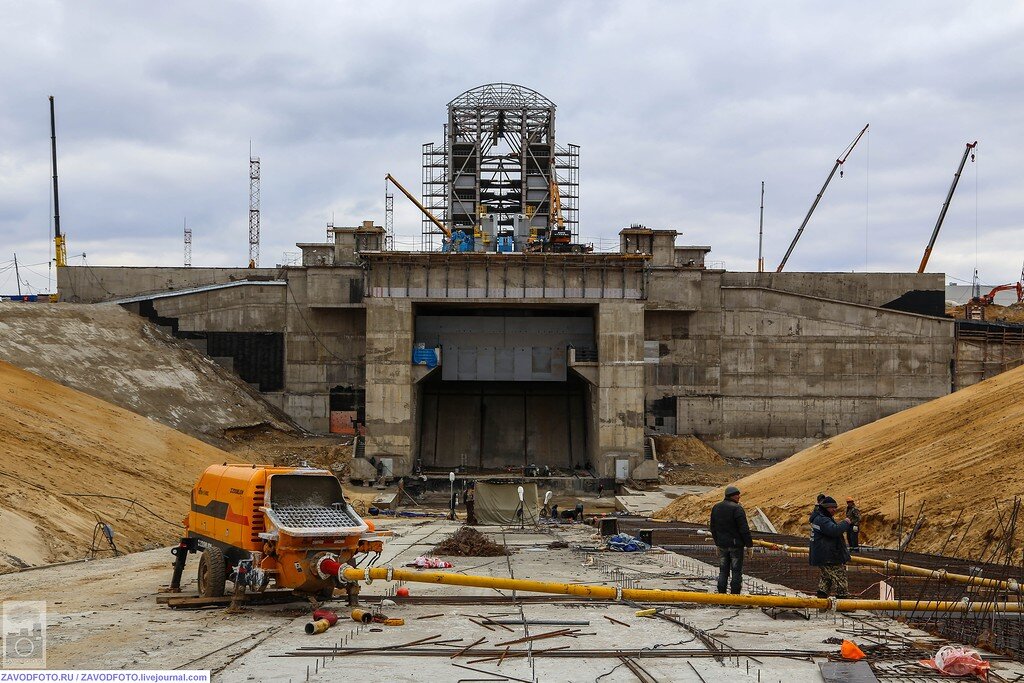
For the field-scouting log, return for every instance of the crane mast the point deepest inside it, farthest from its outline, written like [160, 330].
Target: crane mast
[839, 162]
[60, 249]
[945, 206]
[426, 212]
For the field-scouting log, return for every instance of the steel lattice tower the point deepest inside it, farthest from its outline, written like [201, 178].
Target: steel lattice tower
[188, 247]
[499, 157]
[254, 211]
[389, 220]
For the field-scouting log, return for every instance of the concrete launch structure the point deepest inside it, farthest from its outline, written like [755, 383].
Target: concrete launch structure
[493, 361]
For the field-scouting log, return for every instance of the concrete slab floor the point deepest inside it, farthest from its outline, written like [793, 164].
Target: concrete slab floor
[103, 614]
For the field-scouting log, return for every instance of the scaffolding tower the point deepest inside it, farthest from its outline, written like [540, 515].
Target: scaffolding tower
[499, 157]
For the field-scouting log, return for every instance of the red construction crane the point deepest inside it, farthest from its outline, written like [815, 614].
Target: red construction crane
[945, 205]
[839, 162]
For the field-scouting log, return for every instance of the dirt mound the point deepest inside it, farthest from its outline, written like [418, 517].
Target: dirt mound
[1014, 313]
[119, 357]
[957, 453]
[468, 542]
[68, 460]
[328, 452]
[685, 450]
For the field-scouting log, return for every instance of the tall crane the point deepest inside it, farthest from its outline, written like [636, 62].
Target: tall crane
[945, 205]
[60, 249]
[839, 162]
[426, 212]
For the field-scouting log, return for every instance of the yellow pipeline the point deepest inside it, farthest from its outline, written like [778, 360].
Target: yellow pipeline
[906, 569]
[656, 595]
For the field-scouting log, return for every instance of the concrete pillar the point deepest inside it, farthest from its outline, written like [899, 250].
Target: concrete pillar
[620, 389]
[390, 423]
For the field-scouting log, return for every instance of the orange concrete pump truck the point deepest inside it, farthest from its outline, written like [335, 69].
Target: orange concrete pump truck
[254, 524]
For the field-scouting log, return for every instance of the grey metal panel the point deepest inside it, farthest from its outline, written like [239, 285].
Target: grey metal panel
[467, 363]
[523, 365]
[485, 363]
[558, 364]
[449, 363]
[504, 363]
[540, 362]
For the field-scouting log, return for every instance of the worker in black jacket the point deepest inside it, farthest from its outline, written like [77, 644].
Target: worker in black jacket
[731, 532]
[828, 549]
[853, 514]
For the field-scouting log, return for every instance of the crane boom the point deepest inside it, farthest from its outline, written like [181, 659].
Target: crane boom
[945, 207]
[839, 162]
[556, 206]
[433, 219]
[60, 249]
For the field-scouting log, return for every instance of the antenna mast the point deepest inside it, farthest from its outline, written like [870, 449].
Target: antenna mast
[760, 235]
[254, 210]
[188, 244]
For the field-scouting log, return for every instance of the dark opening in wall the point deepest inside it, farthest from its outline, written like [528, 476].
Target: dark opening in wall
[349, 399]
[257, 357]
[924, 302]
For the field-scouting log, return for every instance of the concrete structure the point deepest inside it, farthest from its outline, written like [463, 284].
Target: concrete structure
[563, 360]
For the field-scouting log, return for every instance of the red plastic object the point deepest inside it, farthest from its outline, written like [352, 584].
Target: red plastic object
[327, 614]
[402, 592]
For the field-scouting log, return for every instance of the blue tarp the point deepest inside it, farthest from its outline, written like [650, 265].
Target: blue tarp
[426, 357]
[624, 543]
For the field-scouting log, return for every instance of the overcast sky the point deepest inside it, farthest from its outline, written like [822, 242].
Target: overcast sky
[681, 109]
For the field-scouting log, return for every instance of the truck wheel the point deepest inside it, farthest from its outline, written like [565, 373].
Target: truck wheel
[212, 573]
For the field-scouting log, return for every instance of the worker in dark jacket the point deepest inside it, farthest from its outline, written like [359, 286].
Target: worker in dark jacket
[731, 532]
[828, 549]
[853, 514]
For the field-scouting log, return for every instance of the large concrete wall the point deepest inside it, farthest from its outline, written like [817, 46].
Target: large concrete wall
[91, 284]
[870, 289]
[770, 372]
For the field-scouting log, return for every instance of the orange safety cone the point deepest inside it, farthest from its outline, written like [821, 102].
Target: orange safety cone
[849, 650]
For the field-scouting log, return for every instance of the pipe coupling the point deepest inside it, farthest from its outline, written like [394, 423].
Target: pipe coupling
[318, 565]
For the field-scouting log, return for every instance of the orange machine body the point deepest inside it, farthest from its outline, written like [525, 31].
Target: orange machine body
[277, 522]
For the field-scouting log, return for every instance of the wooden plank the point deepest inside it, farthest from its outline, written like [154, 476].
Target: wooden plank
[195, 601]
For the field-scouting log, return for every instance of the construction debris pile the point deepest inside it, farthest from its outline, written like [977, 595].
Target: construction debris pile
[956, 459]
[687, 460]
[1014, 313]
[69, 461]
[468, 542]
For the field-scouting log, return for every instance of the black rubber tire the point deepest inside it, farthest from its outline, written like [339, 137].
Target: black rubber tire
[212, 573]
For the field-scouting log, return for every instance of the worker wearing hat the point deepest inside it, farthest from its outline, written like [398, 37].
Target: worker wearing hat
[853, 514]
[828, 549]
[731, 532]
